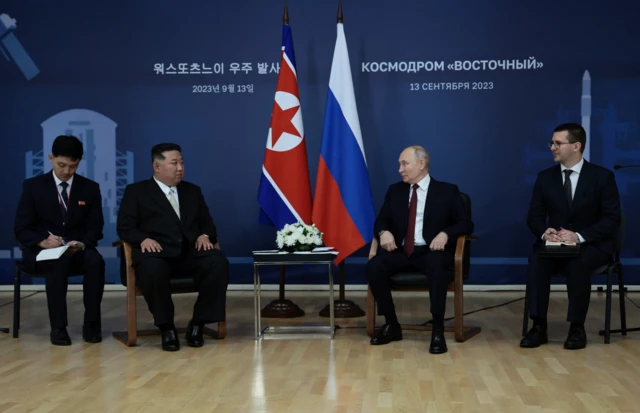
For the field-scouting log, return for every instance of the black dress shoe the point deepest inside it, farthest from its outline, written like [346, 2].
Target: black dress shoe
[534, 337]
[170, 340]
[386, 334]
[60, 337]
[194, 334]
[92, 333]
[438, 345]
[577, 339]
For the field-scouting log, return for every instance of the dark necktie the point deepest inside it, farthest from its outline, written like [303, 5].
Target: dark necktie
[409, 239]
[65, 200]
[567, 185]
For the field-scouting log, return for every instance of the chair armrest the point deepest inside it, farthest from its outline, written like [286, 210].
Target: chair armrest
[457, 258]
[131, 274]
[461, 243]
[373, 251]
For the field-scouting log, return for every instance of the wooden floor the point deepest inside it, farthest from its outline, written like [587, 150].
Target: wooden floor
[489, 373]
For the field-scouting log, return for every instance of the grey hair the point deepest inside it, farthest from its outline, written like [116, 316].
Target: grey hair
[421, 153]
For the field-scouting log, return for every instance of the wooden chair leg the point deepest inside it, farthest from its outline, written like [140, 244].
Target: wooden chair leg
[132, 318]
[460, 333]
[218, 335]
[371, 313]
[222, 329]
[129, 337]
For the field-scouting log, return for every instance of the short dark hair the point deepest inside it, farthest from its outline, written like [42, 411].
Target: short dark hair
[158, 150]
[67, 146]
[575, 134]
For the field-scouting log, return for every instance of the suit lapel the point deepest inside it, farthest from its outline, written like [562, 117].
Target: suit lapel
[557, 187]
[183, 200]
[432, 195]
[584, 178]
[74, 196]
[404, 207]
[51, 196]
[160, 198]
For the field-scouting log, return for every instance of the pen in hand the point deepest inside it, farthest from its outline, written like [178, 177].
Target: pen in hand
[61, 239]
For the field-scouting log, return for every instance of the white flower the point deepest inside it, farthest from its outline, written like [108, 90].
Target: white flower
[298, 235]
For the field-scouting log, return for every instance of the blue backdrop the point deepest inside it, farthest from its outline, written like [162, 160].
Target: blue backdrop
[481, 86]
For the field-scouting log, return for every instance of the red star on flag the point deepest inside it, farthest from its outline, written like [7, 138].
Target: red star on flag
[281, 122]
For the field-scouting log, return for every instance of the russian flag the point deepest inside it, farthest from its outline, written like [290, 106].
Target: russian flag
[343, 205]
[285, 190]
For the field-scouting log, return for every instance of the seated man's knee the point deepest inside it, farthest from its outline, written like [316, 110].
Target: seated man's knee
[216, 268]
[577, 267]
[374, 267]
[217, 261]
[152, 268]
[93, 258]
[438, 259]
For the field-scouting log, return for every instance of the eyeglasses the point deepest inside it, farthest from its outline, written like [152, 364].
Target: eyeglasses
[552, 144]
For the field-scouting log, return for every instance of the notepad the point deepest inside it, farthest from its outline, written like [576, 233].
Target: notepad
[559, 244]
[269, 252]
[322, 249]
[51, 253]
[314, 252]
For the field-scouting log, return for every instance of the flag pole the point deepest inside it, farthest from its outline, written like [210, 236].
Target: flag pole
[343, 308]
[282, 308]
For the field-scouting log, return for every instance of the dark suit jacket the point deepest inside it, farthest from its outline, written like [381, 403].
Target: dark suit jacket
[444, 211]
[594, 212]
[39, 212]
[145, 212]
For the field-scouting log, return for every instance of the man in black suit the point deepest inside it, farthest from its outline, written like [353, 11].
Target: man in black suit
[417, 227]
[63, 208]
[574, 202]
[171, 231]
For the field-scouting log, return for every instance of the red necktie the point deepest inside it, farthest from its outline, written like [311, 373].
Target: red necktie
[409, 239]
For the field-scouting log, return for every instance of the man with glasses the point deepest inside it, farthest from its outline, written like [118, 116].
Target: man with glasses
[573, 202]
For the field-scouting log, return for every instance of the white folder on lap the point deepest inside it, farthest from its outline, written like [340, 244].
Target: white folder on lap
[51, 253]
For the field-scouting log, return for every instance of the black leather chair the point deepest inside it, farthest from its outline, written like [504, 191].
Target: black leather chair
[609, 270]
[410, 281]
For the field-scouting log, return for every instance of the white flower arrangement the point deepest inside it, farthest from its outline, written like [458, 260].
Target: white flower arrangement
[299, 237]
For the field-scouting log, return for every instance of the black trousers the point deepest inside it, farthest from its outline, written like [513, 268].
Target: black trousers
[88, 263]
[578, 274]
[210, 272]
[435, 264]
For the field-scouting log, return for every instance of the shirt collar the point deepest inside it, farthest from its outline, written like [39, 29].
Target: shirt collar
[424, 182]
[575, 168]
[59, 181]
[166, 189]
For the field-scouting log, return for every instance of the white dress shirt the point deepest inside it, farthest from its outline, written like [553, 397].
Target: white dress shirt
[70, 182]
[167, 190]
[575, 175]
[59, 181]
[423, 188]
